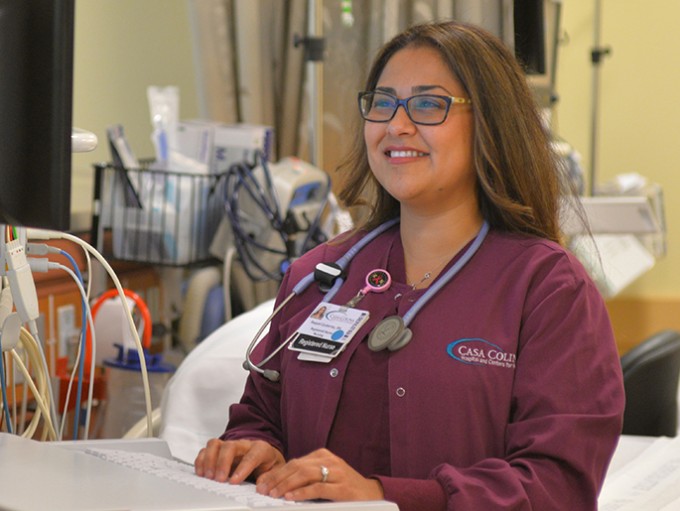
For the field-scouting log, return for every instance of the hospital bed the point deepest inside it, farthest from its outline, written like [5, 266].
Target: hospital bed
[196, 400]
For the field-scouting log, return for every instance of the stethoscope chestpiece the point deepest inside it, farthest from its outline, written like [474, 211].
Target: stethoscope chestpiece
[385, 332]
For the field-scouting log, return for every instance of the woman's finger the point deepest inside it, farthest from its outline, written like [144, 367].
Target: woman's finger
[204, 465]
[260, 457]
[319, 475]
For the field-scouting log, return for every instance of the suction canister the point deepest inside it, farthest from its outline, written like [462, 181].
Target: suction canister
[125, 401]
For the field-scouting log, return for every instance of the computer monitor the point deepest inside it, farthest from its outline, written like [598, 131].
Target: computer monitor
[36, 89]
[536, 25]
[530, 35]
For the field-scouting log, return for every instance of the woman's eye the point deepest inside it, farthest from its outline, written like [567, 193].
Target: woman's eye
[383, 103]
[428, 103]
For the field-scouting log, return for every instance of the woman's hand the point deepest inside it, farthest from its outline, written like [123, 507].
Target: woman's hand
[235, 460]
[303, 479]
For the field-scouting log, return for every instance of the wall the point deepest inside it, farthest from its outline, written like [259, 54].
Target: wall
[121, 47]
[639, 124]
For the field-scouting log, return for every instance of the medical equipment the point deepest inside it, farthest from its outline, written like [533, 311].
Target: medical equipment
[125, 392]
[124, 389]
[392, 332]
[274, 213]
[107, 312]
[164, 109]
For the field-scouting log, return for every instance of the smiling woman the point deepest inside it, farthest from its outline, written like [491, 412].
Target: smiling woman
[491, 383]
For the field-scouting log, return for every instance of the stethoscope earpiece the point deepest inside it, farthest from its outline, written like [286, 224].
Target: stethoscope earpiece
[271, 375]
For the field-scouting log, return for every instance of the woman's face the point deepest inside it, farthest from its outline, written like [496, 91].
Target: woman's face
[426, 168]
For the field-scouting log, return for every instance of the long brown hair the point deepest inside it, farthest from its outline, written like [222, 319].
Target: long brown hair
[517, 172]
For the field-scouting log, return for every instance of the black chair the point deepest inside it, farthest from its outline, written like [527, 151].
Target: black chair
[650, 377]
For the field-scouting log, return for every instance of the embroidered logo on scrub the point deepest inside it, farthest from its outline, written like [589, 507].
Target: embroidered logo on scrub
[479, 352]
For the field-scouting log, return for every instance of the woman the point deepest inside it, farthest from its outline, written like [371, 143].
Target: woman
[507, 393]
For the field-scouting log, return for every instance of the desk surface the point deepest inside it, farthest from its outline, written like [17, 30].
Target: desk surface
[629, 448]
[39, 476]
[644, 475]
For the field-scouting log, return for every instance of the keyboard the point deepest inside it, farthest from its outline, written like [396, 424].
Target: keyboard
[132, 475]
[183, 473]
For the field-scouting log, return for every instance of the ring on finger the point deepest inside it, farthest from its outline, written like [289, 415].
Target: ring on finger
[324, 473]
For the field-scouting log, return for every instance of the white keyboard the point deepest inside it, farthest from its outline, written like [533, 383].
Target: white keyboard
[183, 473]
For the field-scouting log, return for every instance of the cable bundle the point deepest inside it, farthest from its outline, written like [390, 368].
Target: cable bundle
[18, 291]
[264, 236]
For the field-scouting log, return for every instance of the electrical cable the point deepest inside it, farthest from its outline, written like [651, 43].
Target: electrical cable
[42, 362]
[6, 306]
[19, 423]
[241, 182]
[42, 249]
[78, 278]
[44, 234]
[3, 386]
[25, 297]
[238, 176]
[43, 264]
[81, 358]
[227, 266]
[31, 349]
[38, 396]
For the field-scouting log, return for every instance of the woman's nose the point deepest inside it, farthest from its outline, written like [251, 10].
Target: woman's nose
[401, 123]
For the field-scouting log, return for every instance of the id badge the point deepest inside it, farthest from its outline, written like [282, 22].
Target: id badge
[327, 331]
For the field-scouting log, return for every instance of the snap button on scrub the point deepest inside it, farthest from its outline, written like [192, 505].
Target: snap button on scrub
[401, 392]
[334, 372]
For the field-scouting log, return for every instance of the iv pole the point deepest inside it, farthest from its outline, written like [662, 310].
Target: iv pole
[313, 45]
[596, 55]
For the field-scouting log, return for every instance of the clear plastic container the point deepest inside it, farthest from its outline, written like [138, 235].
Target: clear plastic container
[125, 401]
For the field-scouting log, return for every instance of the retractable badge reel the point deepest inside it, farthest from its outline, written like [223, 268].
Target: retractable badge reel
[391, 332]
[377, 281]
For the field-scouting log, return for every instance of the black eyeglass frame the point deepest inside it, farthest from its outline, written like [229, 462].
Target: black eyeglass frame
[449, 100]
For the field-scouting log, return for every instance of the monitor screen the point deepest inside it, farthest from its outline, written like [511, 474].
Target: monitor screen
[530, 41]
[36, 89]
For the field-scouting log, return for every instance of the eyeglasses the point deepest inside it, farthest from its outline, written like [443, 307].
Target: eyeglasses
[426, 109]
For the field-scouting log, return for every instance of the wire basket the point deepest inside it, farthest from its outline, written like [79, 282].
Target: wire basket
[156, 216]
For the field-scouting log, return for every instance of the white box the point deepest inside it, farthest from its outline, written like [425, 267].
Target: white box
[235, 143]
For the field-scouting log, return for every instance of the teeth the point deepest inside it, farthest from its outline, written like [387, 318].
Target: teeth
[405, 154]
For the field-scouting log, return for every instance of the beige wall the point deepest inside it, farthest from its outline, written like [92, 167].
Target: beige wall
[121, 47]
[639, 129]
[639, 113]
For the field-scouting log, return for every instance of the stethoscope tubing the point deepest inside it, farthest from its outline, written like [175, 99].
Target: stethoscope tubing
[451, 272]
[342, 263]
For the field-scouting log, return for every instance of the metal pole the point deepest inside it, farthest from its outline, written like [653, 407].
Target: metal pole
[315, 86]
[596, 57]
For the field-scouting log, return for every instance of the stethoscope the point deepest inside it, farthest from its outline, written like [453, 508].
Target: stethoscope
[393, 332]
